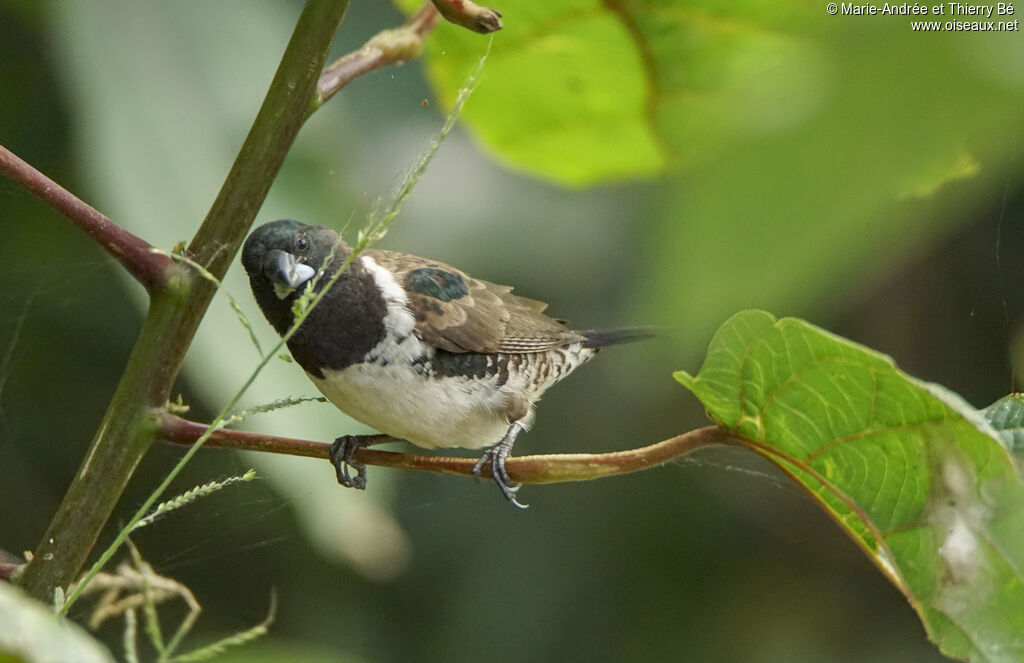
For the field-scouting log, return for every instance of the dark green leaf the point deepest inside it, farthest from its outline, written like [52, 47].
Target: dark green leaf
[912, 472]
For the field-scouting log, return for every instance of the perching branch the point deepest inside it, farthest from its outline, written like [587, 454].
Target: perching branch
[388, 47]
[550, 468]
[134, 253]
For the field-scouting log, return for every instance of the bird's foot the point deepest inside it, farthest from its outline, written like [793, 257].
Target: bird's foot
[496, 456]
[343, 457]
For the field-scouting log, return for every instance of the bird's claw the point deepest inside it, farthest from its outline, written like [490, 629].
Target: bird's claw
[496, 456]
[343, 452]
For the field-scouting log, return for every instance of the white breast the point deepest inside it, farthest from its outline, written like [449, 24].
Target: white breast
[395, 399]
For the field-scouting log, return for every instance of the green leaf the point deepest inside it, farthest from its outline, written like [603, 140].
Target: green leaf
[583, 91]
[30, 632]
[914, 475]
[564, 92]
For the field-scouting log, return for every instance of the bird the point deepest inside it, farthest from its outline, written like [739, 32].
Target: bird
[413, 347]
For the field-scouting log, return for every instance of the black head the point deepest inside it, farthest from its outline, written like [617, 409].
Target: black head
[290, 243]
[281, 256]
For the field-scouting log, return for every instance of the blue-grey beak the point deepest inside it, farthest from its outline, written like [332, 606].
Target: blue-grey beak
[286, 273]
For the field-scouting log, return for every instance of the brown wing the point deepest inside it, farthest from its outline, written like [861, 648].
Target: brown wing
[458, 313]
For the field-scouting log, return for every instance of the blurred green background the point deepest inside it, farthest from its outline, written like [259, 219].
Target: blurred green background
[860, 175]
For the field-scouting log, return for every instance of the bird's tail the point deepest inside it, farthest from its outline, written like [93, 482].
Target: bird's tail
[598, 338]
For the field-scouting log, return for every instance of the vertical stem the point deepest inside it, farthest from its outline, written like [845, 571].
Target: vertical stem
[128, 428]
[120, 442]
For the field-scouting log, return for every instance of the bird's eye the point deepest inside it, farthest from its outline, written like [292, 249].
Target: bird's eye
[301, 244]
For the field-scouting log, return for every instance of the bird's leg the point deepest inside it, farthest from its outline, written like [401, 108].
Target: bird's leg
[343, 457]
[496, 455]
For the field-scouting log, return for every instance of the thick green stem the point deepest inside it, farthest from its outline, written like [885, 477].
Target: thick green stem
[127, 429]
[122, 438]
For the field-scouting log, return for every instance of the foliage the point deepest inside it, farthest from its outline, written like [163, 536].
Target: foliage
[914, 474]
[798, 157]
[582, 90]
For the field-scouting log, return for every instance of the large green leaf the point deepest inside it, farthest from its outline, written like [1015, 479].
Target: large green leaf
[916, 476]
[564, 93]
[581, 91]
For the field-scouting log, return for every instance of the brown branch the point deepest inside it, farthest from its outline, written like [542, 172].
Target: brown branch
[135, 254]
[552, 468]
[385, 48]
